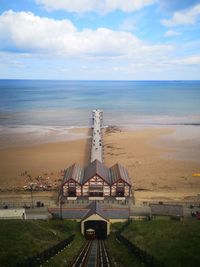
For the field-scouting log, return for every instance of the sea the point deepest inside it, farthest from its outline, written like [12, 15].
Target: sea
[46, 110]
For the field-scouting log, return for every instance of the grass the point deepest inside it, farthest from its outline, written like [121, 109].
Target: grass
[66, 257]
[119, 252]
[22, 239]
[175, 243]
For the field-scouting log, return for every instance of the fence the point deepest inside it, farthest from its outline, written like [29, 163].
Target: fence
[23, 204]
[142, 255]
[40, 258]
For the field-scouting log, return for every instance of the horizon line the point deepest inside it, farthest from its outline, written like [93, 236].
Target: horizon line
[99, 80]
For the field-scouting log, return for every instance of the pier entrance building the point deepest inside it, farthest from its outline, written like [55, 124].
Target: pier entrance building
[93, 195]
[96, 180]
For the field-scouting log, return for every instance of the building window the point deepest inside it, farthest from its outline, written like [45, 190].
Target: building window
[72, 191]
[120, 191]
[96, 191]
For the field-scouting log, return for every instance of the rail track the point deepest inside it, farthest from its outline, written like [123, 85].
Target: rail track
[93, 254]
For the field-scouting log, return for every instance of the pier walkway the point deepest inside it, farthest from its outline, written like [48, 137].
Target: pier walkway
[97, 141]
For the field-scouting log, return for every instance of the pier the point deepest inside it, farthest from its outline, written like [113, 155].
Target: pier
[97, 137]
[96, 180]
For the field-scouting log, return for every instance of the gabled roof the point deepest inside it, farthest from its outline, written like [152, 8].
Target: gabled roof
[106, 212]
[95, 208]
[96, 168]
[118, 172]
[74, 172]
[110, 176]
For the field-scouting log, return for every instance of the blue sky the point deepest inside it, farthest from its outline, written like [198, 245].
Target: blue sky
[100, 39]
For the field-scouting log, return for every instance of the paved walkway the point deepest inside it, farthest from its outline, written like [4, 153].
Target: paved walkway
[97, 142]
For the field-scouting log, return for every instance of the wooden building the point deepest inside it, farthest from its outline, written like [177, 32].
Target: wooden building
[72, 182]
[96, 180]
[120, 181]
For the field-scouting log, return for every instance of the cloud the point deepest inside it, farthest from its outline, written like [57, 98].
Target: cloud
[172, 33]
[128, 24]
[99, 6]
[192, 60]
[186, 17]
[23, 32]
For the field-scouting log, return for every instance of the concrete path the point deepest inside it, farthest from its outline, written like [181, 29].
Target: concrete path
[97, 142]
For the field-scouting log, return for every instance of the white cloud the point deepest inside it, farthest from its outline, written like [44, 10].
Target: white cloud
[99, 6]
[172, 33]
[24, 32]
[186, 17]
[129, 24]
[35, 46]
[192, 60]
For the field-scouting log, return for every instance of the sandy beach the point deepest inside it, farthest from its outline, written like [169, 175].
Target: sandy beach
[152, 161]
[157, 171]
[46, 160]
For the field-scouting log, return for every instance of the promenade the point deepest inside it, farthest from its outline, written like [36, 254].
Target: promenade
[97, 140]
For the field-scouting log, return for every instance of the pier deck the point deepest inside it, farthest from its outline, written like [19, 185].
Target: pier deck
[97, 138]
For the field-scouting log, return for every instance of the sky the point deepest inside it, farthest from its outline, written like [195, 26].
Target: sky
[100, 39]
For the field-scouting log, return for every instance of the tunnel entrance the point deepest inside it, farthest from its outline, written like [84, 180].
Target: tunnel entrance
[99, 226]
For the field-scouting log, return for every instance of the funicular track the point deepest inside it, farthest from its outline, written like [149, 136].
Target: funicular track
[93, 254]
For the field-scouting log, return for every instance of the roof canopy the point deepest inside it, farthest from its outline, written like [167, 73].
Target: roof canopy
[97, 168]
[74, 172]
[95, 208]
[118, 172]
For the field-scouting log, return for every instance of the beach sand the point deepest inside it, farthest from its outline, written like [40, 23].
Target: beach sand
[156, 174]
[154, 167]
[46, 160]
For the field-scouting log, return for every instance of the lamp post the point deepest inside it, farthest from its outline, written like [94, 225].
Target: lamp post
[60, 202]
[31, 187]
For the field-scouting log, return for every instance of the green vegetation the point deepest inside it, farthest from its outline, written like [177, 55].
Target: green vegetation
[175, 243]
[22, 239]
[68, 255]
[119, 252]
